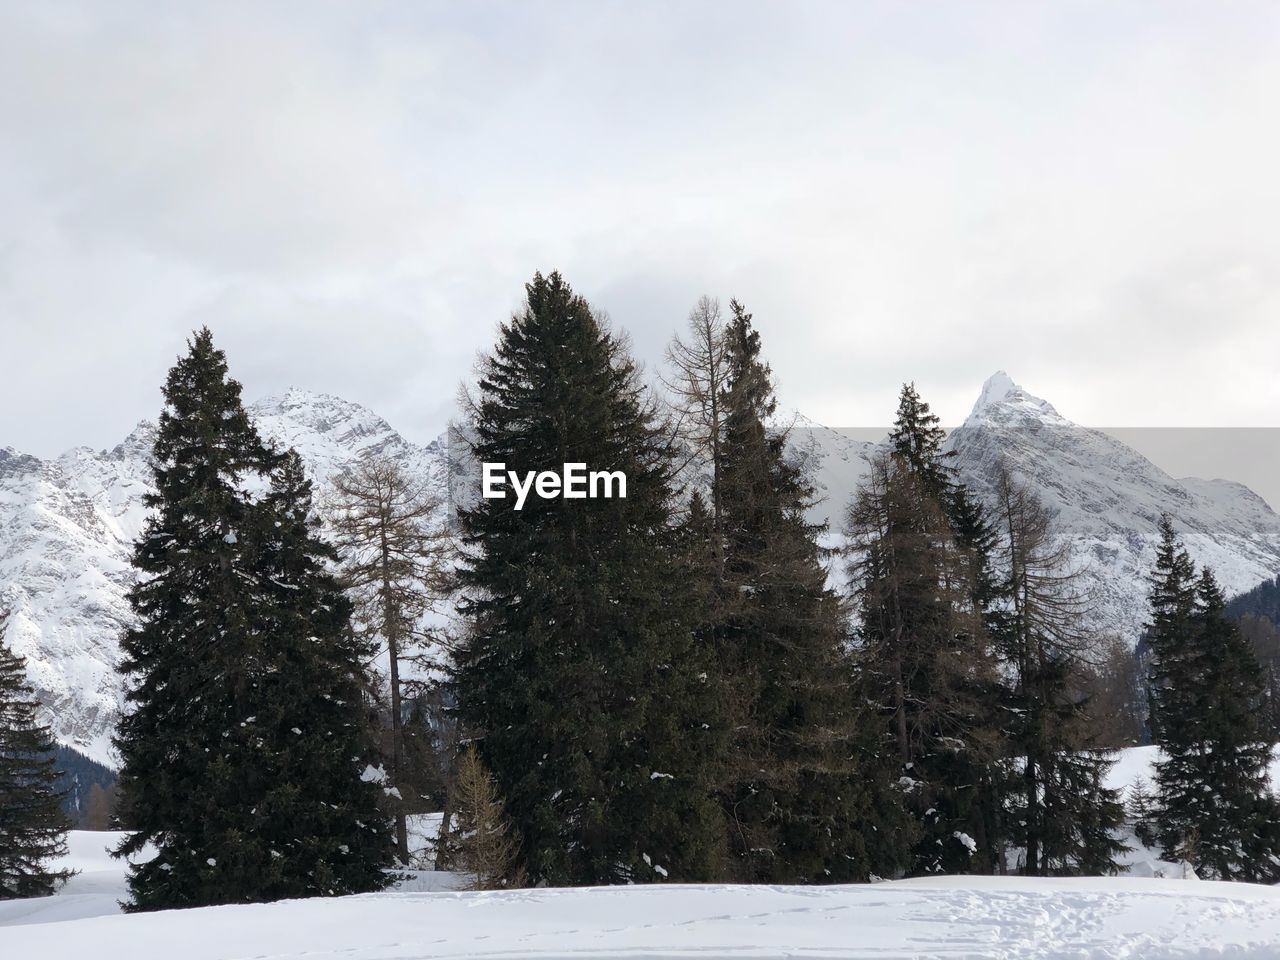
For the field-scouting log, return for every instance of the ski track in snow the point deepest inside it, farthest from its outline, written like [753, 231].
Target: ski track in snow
[954, 918]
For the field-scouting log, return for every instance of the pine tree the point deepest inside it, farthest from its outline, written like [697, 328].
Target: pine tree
[243, 750]
[33, 825]
[394, 548]
[579, 677]
[917, 662]
[1213, 805]
[808, 798]
[1140, 803]
[1174, 659]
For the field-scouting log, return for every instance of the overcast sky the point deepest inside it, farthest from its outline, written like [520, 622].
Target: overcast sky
[352, 195]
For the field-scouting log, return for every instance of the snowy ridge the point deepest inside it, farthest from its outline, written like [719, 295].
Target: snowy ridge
[67, 525]
[1001, 396]
[1107, 498]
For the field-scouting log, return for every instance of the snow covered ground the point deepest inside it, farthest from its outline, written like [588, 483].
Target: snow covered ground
[945, 918]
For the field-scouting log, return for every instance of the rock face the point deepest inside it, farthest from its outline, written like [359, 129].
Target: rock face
[67, 528]
[1107, 498]
[67, 525]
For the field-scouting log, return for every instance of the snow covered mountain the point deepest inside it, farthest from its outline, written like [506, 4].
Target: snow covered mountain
[1107, 498]
[67, 524]
[67, 527]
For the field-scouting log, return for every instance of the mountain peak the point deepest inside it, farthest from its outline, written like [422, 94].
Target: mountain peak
[1001, 395]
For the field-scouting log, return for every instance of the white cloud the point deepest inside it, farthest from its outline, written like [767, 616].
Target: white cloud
[352, 196]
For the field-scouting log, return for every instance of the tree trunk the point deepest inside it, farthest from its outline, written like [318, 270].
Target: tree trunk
[392, 620]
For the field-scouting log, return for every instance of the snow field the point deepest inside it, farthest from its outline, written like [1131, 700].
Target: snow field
[989, 918]
[996, 918]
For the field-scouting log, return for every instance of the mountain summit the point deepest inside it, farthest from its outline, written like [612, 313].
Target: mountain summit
[1002, 399]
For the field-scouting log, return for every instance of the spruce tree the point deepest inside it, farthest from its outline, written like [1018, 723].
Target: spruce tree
[318, 827]
[245, 742]
[925, 601]
[808, 798]
[33, 824]
[1175, 663]
[916, 439]
[1213, 805]
[579, 675]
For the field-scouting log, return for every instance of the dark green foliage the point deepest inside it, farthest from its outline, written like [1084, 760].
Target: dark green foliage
[1175, 660]
[1263, 637]
[245, 744]
[807, 797]
[1061, 814]
[916, 440]
[77, 776]
[1081, 815]
[1262, 601]
[33, 824]
[1213, 806]
[595, 710]
[1258, 611]
[924, 601]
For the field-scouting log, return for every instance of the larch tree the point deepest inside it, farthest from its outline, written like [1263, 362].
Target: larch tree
[33, 823]
[696, 384]
[486, 847]
[389, 530]
[1063, 816]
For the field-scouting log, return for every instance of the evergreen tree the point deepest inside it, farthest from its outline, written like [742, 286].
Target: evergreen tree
[918, 663]
[1175, 663]
[243, 751]
[925, 601]
[916, 439]
[1213, 804]
[808, 797]
[318, 827]
[591, 703]
[33, 825]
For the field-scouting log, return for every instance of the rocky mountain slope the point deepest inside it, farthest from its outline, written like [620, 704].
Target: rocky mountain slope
[66, 531]
[67, 524]
[1107, 498]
